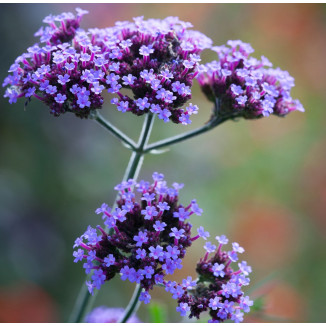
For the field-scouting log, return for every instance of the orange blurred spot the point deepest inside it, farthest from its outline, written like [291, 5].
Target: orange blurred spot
[26, 303]
[282, 303]
[292, 20]
[298, 32]
[268, 233]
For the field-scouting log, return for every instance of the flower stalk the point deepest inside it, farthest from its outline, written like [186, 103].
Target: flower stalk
[133, 305]
[114, 130]
[85, 300]
[212, 123]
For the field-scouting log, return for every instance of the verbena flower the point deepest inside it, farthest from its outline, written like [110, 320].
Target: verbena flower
[245, 86]
[156, 59]
[151, 236]
[218, 288]
[52, 70]
[108, 315]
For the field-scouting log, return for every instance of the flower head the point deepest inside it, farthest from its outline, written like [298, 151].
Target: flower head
[60, 69]
[245, 86]
[217, 290]
[150, 239]
[152, 53]
[69, 68]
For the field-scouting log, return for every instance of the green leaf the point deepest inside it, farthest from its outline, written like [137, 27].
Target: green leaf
[157, 313]
[258, 305]
[159, 151]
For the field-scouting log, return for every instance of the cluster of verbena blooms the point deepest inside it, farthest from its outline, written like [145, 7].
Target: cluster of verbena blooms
[150, 239]
[245, 86]
[218, 288]
[156, 59]
[149, 66]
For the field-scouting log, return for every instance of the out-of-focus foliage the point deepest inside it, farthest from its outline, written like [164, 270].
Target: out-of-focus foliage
[157, 313]
[263, 183]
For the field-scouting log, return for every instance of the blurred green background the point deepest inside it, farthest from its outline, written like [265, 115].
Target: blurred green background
[262, 183]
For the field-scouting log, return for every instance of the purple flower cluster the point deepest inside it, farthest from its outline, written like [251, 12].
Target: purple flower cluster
[150, 239]
[108, 315]
[218, 287]
[156, 59]
[246, 87]
[55, 71]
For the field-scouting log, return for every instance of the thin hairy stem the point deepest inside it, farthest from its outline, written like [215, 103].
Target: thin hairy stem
[214, 122]
[179, 138]
[114, 130]
[133, 305]
[85, 300]
[132, 171]
[80, 305]
[137, 156]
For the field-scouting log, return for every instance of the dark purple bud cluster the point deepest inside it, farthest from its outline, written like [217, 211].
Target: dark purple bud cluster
[149, 240]
[156, 59]
[218, 287]
[246, 87]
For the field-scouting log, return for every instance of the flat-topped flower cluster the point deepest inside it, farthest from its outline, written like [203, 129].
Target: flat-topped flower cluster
[156, 59]
[245, 86]
[218, 288]
[150, 239]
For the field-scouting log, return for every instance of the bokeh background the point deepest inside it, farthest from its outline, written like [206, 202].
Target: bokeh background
[262, 183]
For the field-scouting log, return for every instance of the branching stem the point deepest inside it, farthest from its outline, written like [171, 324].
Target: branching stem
[85, 300]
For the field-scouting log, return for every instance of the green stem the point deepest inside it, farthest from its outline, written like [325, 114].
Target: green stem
[214, 122]
[132, 171]
[80, 305]
[179, 138]
[114, 130]
[137, 156]
[133, 304]
[85, 300]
